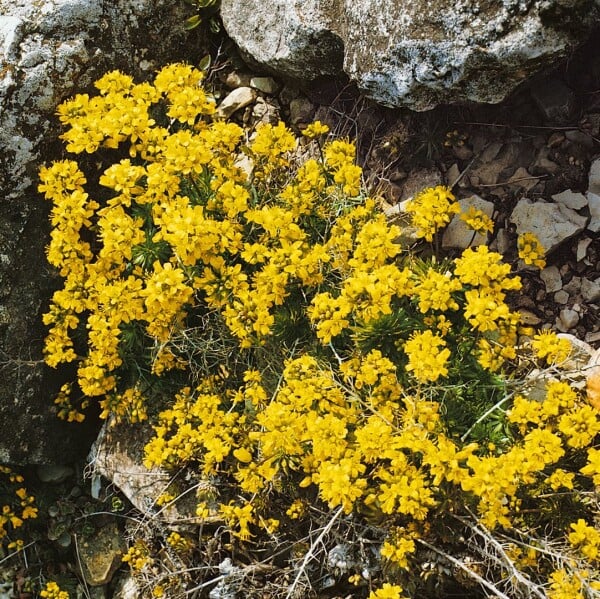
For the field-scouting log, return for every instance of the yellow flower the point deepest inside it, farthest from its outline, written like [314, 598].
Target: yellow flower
[431, 210]
[387, 591]
[426, 360]
[551, 348]
[315, 129]
[478, 221]
[531, 250]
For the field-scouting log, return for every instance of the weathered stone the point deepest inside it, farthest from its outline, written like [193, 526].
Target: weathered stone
[101, 554]
[458, 234]
[302, 111]
[570, 199]
[117, 455]
[522, 179]
[594, 206]
[594, 177]
[266, 85]
[419, 179]
[416, 54]
[551, 223]
[237, 99]
[235, 79]
[590, 290]
[551, 278]
[54, 474]
[567, 319]
[582, 246]
[49, 51]
[554, 99]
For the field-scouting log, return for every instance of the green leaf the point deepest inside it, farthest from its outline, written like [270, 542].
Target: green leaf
[205, 62]
[205, 3]
[214, 25]
[192, 22]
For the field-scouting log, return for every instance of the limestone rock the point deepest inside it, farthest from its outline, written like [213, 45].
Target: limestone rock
[594, 177]
[101, 554]
[571, 199]
[551, 223]
[234, 101]
[416, 54]
[117, 455]
[551, 278]
[49, 51]
[594, 205]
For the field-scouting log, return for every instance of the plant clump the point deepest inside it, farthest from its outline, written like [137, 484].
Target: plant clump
[360, 417]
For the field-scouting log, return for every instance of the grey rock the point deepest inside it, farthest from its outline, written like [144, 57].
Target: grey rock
[594, 206]
[235, 79]
[567, 319]
[582, 246]
[416, 54]
[551, 278]
[458, 234]
[542, 164]
[570, 199]
[117, 455]
[555, 100]
[551, 223]
[523, 179]
[418, 180]
[49, 51]
[52, 473]
[529, 318]
[590, 290]
[265, 112]
[267, 85]
[561, 297]
[237, 99]
[302, 111]
[594, 177]
[503, 242]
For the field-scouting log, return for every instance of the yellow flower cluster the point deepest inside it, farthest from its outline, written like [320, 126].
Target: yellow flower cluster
[290, 340]
[137, 556]
[53, 591]
[531, 250]
[16, 507]
[431, 210]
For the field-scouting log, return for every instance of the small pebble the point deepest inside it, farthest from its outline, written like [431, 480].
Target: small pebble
[568, 318]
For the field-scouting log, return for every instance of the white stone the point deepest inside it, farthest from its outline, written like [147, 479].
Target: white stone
[594, 206]
[551, 278]
[594, 177]
[568, 319]
[570, 199]
[235, 100]
[551, 223]
[582, 246]
[457, 233]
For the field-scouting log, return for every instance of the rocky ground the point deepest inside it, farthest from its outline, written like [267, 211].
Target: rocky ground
[530, 162]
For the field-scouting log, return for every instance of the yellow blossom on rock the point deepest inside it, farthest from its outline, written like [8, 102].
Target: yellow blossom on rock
[531, 250]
